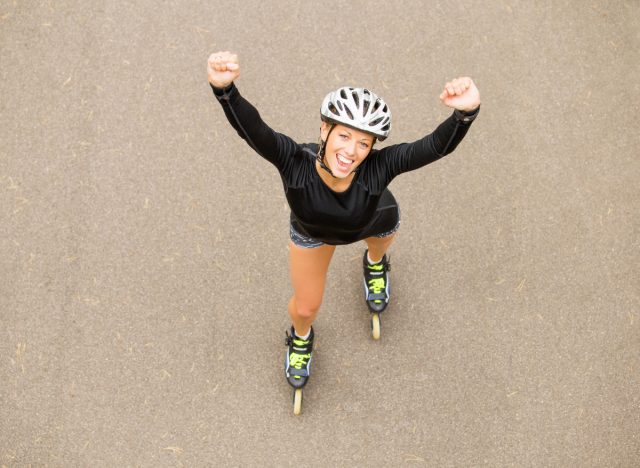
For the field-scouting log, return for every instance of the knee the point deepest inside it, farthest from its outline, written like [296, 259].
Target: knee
[307, 310]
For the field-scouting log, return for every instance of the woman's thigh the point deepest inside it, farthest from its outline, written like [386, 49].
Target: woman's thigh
[308, 270]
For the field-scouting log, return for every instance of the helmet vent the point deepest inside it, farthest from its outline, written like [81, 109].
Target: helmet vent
[333, 109]
[348, 112]
[365, 106]
[356, 99]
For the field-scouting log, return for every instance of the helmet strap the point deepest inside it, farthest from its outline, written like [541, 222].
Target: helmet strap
[321, 151]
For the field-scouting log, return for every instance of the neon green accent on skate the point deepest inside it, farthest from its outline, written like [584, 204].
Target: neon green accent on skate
[376, 267]
[300, 342]
[298, 361]
[376, 285]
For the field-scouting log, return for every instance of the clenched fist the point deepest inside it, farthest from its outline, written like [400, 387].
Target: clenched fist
[222, 69]
[461, 94]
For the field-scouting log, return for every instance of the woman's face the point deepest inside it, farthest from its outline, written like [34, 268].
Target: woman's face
[346, 148]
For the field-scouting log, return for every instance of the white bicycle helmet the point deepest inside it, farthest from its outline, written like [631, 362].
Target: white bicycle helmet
[358, 108]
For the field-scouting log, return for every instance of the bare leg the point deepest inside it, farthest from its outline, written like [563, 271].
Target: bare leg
[308, 270]
[378, 246]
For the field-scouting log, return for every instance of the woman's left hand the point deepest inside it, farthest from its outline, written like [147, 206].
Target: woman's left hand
[461, 94]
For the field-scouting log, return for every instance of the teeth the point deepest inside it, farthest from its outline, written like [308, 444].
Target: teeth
[344, 160]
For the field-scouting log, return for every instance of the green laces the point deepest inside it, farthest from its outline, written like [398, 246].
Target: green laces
[376, 285]
[296, 360]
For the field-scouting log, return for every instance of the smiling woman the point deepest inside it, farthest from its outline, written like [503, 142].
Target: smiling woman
[344, 150]
[337, 190]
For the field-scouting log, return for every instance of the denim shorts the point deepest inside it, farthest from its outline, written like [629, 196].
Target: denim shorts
[310, 243]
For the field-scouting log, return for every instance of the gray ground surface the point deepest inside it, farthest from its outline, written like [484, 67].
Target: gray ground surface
[143, 246]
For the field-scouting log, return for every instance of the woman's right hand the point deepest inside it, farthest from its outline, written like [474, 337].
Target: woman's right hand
[222, 69]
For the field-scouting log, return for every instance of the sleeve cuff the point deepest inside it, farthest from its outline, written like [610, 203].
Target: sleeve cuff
[466, 117]
[223, 94]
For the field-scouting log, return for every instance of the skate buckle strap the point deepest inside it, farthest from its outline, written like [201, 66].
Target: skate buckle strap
[379, 267]
[294, 341]
[376, 297]
[298, 372]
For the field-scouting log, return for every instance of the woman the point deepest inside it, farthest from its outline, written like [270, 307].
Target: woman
[337, 189]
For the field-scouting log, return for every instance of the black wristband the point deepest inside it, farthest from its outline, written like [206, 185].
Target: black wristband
[466, 117]
[222, 93]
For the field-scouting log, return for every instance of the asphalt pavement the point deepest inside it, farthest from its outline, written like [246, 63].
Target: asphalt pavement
[143, 245]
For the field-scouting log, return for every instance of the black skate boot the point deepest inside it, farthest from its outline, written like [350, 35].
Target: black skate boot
[298, 365]
[376, 283]
[376, 290]
[298, 359]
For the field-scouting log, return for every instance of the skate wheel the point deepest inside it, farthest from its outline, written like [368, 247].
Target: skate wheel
[297, 401]
[375, 326]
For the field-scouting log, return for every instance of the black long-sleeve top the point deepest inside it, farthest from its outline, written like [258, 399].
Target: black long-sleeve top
[367, 207]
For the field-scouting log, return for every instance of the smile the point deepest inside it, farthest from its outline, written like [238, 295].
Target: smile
[343, 162]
